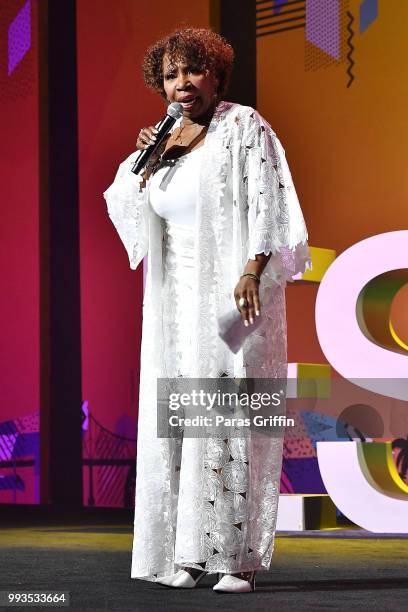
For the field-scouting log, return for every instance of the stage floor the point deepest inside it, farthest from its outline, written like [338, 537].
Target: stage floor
[330, 570]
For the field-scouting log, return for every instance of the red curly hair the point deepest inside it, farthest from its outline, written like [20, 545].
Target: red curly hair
[205, 49]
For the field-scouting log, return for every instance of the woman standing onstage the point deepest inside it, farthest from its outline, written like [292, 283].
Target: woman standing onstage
[218, 217]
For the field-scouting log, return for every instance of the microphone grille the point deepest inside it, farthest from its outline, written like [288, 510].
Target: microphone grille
[175, 110]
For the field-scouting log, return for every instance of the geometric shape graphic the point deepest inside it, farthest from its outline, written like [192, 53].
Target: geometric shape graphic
[20, 457]
[7, 444]
[308, 380]
[355, 355]
[11, 482]
[313, 380]
[303, 512]
[272, 20]
[364, 484]
[321, 260]
[277, 5]
[317, 58]
[19, 37]
[368, 14]
[374, 307]
[303, 475]
[323, 428]
[26, 445]
[350, 48]
[323, 25]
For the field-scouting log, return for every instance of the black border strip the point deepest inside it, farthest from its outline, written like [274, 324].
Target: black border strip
[60, 316]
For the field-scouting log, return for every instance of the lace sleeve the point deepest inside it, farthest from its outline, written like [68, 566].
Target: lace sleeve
[128, 211]
[275, 220]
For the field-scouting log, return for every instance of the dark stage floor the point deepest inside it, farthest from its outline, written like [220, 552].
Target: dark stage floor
[330, 570]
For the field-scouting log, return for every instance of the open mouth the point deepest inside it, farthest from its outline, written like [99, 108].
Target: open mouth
[188, 102]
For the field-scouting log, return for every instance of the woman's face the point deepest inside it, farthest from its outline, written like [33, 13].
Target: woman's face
[193, 88]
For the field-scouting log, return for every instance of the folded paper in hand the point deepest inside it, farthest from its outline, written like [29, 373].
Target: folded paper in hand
[232, 330]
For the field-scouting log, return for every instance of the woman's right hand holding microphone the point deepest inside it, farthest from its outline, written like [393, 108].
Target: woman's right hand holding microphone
[147, 137]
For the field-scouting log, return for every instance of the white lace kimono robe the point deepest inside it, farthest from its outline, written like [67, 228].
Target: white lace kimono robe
[222, 519]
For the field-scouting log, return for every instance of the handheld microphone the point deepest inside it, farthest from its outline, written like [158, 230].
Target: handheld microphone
[174, 112]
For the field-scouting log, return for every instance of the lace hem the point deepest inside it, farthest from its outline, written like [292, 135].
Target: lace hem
[285, 265]
[128, 211]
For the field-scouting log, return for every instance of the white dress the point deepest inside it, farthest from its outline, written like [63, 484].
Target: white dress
[210, 503]
[173, 195]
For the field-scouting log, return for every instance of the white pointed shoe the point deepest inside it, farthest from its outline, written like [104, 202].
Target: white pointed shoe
[233, 584]
[180, 580]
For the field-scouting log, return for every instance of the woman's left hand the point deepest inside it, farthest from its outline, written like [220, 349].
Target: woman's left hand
[248, 288]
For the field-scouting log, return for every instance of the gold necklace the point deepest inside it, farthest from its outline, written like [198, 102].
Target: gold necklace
[179, 139]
